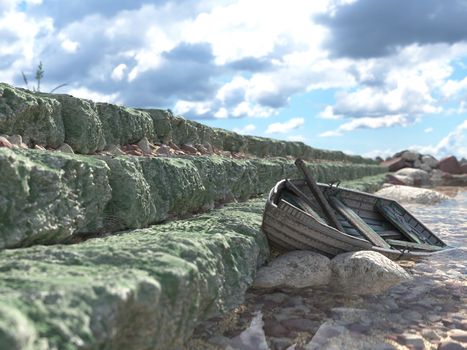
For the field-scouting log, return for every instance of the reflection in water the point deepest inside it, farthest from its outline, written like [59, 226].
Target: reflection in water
[428, 312]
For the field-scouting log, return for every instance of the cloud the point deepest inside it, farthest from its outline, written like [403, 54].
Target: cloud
[368, 28]
[369, 123]
[454, 143]
[428, 130]
[247, 129]
[282, 128]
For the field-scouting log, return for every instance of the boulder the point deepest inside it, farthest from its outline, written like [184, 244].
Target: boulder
[114, 150]
[415, 177]
[430, 161]
[395, 164]
[450, 165]
[366, 272]
[145, 145]
[463, 168]
[296, 269]
[406, 194]
[454, 180]
[410, 156]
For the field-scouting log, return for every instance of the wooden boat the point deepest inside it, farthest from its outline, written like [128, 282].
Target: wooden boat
[294, 219]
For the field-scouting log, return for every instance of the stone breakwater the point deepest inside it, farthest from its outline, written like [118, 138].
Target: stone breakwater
[50, 197]
[67, 176]
[51, 120]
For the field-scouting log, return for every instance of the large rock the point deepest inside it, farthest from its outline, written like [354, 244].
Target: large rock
[395, 164]
[406, 194]
[450, 165]
[296, 269]
[431, 161]
[464, 168]
[145, 289]
[415, 177]
[411, 156]
[35, 117]
[46, 197]
[365, 272]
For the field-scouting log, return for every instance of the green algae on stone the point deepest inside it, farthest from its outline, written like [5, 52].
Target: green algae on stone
[35, 117]
[122, 125]
[83, 128]
[366, 184]
[46, 197]
[146, 289]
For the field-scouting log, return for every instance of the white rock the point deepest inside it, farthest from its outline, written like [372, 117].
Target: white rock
[145, 145]
[419, 176]
[252, 338]
[405, 194]
[430, 161]
[410, 156]
[426, 167]
[366, 272]
[65, 148]
[114, 150]
[417, 164]
[296, 269]
[436, 177]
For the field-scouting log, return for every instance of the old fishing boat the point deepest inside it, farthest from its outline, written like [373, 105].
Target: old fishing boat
[301, 214]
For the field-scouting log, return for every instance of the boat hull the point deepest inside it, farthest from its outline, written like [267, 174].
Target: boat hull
[289, 227]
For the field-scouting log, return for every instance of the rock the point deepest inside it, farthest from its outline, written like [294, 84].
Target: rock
[458, 334]
[418, 177]
[426, 167]
[417, 163]
[366, 272]
[189, 149]
[296, 269]
[253, 338]
[413, 340]
[397, 180]
[114, 150]
[464, 168]
[16, 331]
[450, 345]
[395, 164]
[201, 148]
[39, 147]
[450, 165]
[431, 161]
[163, 150]
[65, 148]
[410, 156]
[35, 116]
[406, 194]
[300, 324]
[16, 140]
[453, 180]
[145, 145]
[5, 143]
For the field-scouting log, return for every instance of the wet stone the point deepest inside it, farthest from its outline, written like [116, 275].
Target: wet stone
[450, 345]
[300, 324]
[458, 334]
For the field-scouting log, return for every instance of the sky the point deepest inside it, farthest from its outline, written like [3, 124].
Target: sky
[368, 77]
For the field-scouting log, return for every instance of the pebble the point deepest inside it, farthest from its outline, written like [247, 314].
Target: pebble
[39, 147]
[189, 149]
[5, 143]
[300, 324]
[430, 334]
[458, 334]
[65, 148]
[275, 329]
[450, 345]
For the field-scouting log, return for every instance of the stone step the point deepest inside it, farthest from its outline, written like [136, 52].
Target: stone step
[48, 197]
[50, 120]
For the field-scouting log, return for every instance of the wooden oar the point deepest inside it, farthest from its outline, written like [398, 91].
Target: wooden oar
[322, 201]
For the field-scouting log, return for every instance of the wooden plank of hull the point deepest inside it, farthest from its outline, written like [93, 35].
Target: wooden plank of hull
[358, 223]
[403, 226]
[292, 218]
[411, 245]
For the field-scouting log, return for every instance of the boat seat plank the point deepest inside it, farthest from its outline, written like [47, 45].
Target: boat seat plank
[394, 217]
[358, 223]
[303, 201]
[412, 245]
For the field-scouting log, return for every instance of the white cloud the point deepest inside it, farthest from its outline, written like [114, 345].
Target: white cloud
[328, 113]
[455, 143]
[246, 129]
[428, 130]
[119, 72]
[282, 128]
[69, 45]
[83, 92]
[370, 123]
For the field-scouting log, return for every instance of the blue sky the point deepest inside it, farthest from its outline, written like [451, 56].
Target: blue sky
[362, 76]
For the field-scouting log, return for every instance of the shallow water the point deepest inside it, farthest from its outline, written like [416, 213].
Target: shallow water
[428, 312]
